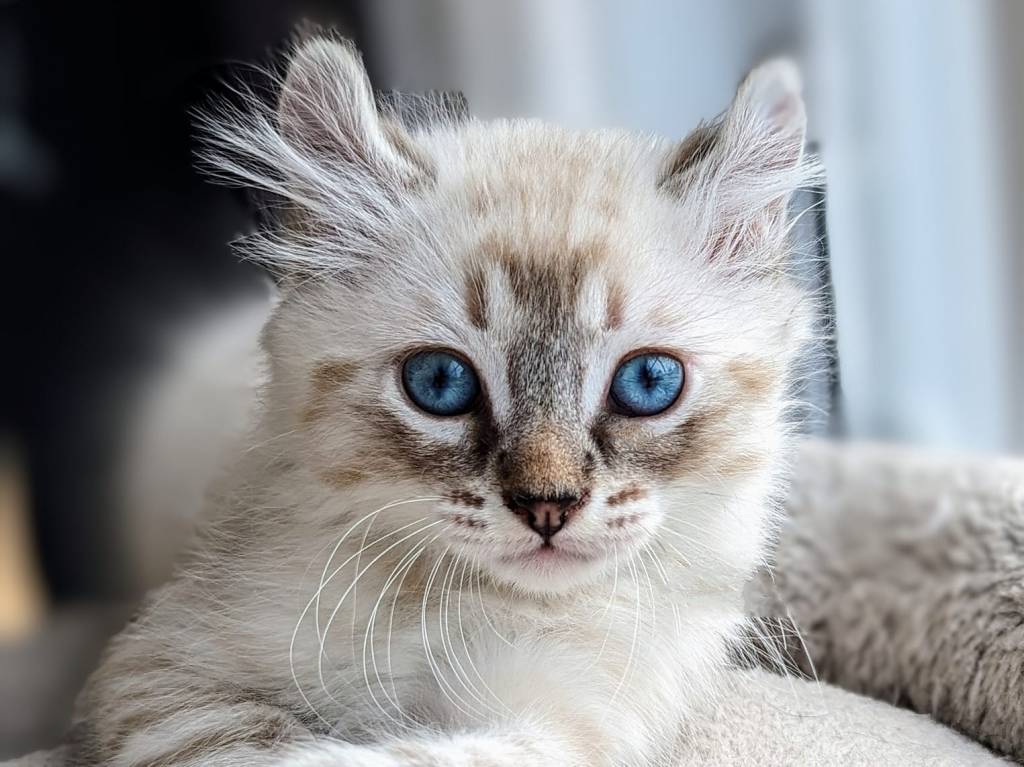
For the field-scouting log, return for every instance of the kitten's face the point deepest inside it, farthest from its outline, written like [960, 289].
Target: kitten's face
[559, 341]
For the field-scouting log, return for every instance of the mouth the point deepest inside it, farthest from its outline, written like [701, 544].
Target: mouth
[549, 555]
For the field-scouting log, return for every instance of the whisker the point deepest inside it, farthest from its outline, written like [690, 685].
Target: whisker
[444, 605]
[465, 644]
[407, 561]
[633, 642]
[391, 618]
[341, 601]
[483, 609]
[604, 613]
[446, 689]
[315, 600]
[347, 533]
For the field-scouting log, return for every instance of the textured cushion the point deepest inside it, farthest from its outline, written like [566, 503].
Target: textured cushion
[904, 571]
[770, 721]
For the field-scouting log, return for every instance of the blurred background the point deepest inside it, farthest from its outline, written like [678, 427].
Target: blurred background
[119, 278]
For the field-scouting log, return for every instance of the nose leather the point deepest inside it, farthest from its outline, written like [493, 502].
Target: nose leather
[545, 516]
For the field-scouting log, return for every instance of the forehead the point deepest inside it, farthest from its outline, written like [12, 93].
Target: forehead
[534, 234]
[543, 212]
[549, 189]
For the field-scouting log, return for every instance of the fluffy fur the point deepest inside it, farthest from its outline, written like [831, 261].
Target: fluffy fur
[905, 574]
[361, 593]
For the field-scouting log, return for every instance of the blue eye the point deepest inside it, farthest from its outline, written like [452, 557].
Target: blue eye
[646, 384]
[440, 383]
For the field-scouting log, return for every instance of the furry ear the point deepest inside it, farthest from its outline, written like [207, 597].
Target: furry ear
[327, 107]
[769, 104]
[332, 172]
[742, 169]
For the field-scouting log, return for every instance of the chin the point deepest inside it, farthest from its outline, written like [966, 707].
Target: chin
[551, 569]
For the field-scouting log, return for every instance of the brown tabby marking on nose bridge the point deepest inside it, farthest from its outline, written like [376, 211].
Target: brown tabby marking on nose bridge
[327, 377]
[542, 463]
[476, 297]
[627, 494]
[757, 379]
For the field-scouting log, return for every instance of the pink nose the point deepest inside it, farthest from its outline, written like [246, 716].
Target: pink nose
[544, 515]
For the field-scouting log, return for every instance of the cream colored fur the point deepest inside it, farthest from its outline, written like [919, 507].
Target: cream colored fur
[337, 608]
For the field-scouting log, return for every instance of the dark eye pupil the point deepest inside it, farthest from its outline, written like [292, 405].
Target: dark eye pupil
[650, 377]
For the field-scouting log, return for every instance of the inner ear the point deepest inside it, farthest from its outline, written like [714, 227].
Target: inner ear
[695, 150]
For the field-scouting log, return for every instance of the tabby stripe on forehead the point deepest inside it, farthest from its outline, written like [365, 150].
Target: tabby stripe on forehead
[615, 307]
[476, 297]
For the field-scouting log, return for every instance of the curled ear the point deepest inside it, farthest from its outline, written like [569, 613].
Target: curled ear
[331, 170]
[742, 169]
[327, 108]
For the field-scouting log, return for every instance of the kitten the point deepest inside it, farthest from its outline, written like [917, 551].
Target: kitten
[523, 418]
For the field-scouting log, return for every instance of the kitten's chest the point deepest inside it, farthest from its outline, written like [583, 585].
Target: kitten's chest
[468, 658]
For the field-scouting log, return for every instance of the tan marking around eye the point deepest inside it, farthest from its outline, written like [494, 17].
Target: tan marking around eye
[326, 379]
[697, 444]
[742, 463]
[329, 375]
[755, 378]
[342, 478]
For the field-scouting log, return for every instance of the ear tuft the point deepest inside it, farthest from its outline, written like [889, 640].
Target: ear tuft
[739, 172]
[327, 107]
[332, 172]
